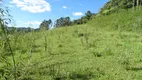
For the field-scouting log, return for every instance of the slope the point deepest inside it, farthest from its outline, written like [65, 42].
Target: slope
[106, 48]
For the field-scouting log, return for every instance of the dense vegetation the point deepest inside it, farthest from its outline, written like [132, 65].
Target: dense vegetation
[62, 22]
[106, 47]
[46, 24]
[115, 5]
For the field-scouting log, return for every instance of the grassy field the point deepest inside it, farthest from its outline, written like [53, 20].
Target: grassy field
[106, 48]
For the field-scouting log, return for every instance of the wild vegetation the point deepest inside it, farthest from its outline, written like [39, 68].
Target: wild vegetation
[106, 47]
[46, 24]
[62, 22]
[115, 5]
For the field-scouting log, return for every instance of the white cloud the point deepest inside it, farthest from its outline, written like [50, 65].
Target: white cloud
[33, 22]
[65, 7]
[19, 21]
[77, 13]
[34, 6]
[9, 5]
[72, 18]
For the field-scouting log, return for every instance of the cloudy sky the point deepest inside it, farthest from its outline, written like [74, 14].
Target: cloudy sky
[32, 12]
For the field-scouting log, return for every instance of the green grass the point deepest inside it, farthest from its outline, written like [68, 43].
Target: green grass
[106, 48]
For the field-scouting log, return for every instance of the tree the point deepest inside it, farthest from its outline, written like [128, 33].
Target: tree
[46, 24]
[84, 19]
[62, 22]
[50, 22]
[67, 21]
[88, 15]
[115, 5]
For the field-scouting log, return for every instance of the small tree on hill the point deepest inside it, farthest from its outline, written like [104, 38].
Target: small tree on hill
[88, 15]
[46, 24]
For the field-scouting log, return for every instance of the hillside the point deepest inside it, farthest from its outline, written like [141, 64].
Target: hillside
[106, 48]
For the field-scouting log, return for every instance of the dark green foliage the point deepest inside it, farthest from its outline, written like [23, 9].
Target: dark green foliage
[115, 5]
[62, 22]
[88, 16]
[45, 43]
[97, 54]
[46, 24]
[67, 22]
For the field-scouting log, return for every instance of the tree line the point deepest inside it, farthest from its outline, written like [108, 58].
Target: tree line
[110, 7]
[66, 21]
[115, 5]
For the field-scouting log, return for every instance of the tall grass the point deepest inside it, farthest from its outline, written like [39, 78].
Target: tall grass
[3, 22]
[106, 48]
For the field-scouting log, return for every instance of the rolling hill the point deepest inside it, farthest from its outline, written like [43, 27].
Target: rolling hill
[106, 48]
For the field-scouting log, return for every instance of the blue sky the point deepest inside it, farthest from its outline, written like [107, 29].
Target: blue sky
[30, 13]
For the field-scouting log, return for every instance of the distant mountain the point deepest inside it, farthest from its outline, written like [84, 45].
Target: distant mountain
[22, 29]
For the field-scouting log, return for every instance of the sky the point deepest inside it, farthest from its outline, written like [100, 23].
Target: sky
[30, 13]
